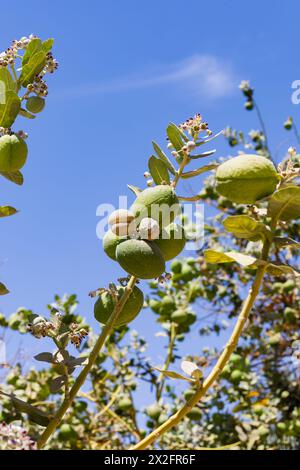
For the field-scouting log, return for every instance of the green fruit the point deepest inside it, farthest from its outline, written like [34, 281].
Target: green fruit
[274, 340]
[195, 414]
[288, 286]
[167, 305]
[236, 360]
[154, 411]
[188, 394]
[125, 404]
[105, 304]
[159, 203]
[281, 427]
[187, 272]
[191, 318]
[179, 316]
[171, 241]
[246, 179]
[110, 242]
[277, 287]
[249, 105]
[35, 104]
[155, 305]
[290, 314]
[236, 376]
[13, 153]
[67, 433]
[140, 258]
[176, 266]
[80, 406]
[262, 431]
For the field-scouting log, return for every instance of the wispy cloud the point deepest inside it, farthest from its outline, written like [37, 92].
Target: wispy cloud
[203, 75]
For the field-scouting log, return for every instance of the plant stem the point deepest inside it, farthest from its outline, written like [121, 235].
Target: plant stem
[222, 361]
[54, 423]
[161, 378]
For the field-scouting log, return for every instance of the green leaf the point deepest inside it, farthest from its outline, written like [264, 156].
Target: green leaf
[281, 269]
[34, 414]
[158, 170]
[47, 45]
[284, 204]
[174, 375]
[175, 136]
[134, 189]
[209, 139]
[243, 226]
[5, 211]
[45, 357]
[7, 79]
[33, 67]
[163, 157]
[26, 114]
[282, 242]
[10, 105]
[3, 289]
[203, 169]
[34, 46]
[14, 176]
[203, 155]
[213, 256]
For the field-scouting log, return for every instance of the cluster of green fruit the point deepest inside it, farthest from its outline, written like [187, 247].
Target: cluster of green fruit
[246, 179]
[236, 369]
[145, 237]
[141, 240]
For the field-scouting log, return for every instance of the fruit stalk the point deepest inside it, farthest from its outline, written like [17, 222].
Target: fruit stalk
[222, 361]
[54, 423]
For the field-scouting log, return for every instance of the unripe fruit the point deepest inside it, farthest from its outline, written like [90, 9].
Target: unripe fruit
[288, 285]
[188, 394]
[176, 266]
[179, 316]
[262, 431]
[191, 318]
[149, 229]
[246, 179]
[67, 433]
[281, 427]
[13, 153]
[120, 216]
[187, 273]
[195, 414]
[167, 305]
[171, 241]
[125, 404]
[110, 242]
[160, 203]
[105, 304]
[290, 314]
[236, 376]
[249, 105]
[140, 258]
[154, 305]
[154, 411]
[35, 104]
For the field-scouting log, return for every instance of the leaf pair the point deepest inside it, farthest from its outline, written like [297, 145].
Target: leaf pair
[34, 60]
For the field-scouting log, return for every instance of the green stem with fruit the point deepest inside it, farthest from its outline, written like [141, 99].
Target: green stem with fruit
[224, 357]
[106, 331]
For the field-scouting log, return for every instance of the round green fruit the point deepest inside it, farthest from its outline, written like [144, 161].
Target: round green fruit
[13, 153]
[195, 414]
[159, 203]
[105, 304]
[171, 241]
[246, 179]
[154, 411]
[288, 286]
[110, 242]
[140, 258]
[236, 376]
[290, 314]
[188, 394]
[167, 305]
[179, 316]
[155, 305]
[35, 104]
[176, 266]
[67, 433]
[281, 427]
[125, 404]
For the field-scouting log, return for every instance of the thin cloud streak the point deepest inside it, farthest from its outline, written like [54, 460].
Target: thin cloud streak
[203, 75]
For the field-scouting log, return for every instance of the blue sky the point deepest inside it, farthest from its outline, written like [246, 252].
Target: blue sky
[126, 70]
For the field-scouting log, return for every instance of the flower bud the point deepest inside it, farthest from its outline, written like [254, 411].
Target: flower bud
[149, 229]
[120, 216]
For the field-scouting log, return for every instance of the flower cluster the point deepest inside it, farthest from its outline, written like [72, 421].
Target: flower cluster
[15, 438]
